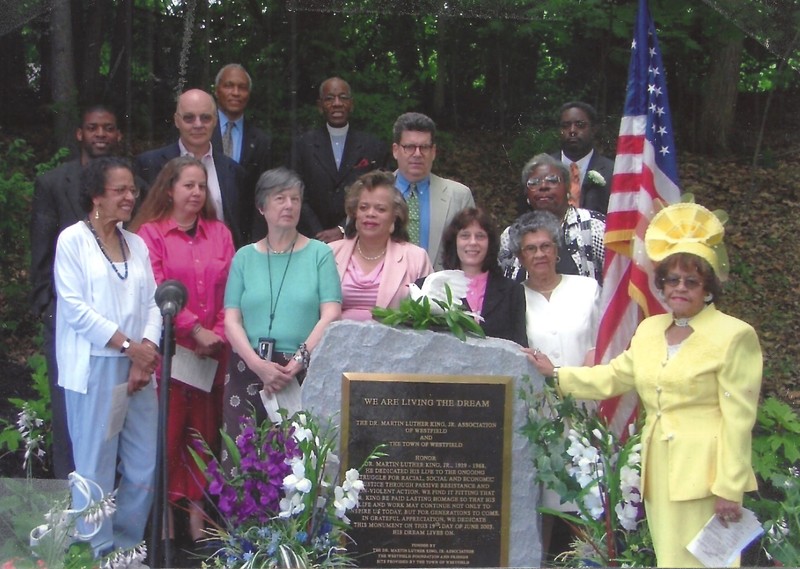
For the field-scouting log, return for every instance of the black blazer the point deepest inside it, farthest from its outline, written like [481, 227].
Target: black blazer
[312, 159]
[256, 158]
[56, 205]
[593, 196]
[231, 178]
[503, 309]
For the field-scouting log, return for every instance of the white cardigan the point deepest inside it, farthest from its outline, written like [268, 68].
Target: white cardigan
[88, 308]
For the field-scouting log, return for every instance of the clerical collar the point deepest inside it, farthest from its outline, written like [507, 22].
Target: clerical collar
[338, 130]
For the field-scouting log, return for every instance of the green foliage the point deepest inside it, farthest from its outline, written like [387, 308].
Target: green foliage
[776, 454]
[532, 141]
[16, 190]
[420, 315]
[776, 441]
[11, 438]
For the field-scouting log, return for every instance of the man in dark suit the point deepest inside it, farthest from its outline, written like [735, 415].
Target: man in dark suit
[329, 159]
[195, 119]
[238, 138]
[56, 205]
[591, 175]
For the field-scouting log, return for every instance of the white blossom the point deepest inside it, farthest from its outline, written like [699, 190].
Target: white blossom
[297, 481]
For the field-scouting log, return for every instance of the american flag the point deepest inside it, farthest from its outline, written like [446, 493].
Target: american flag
[645, 170]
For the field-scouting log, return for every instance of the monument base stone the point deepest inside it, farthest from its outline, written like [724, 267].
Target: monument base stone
[350, 347]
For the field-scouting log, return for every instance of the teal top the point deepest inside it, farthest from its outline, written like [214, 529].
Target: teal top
[310, 279]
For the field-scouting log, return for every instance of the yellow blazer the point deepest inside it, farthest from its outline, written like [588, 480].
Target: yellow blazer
[404, 263]
[705, 398]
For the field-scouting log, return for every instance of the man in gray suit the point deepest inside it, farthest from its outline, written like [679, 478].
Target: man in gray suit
[432, 201]
[578, 125]
[56, 205]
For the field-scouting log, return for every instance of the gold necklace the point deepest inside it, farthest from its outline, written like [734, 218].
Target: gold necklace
[363, 256]
[276, 252]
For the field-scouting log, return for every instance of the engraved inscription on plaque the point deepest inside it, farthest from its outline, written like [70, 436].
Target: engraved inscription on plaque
[440, 497]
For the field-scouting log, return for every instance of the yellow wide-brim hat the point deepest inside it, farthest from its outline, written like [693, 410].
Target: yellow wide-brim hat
[687, 228]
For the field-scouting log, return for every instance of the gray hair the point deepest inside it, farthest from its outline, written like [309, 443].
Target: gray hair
[274, 181]
[413, 121]
[531, 222]
[544, 160]
[334, 78]
[239, 66]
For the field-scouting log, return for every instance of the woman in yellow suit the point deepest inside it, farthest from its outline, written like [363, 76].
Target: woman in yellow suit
[697, 372]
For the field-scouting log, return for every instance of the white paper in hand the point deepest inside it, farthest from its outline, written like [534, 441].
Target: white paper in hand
[288, 398]
[717, 546]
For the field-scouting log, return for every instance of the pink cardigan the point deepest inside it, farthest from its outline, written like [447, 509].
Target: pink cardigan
[404, 263]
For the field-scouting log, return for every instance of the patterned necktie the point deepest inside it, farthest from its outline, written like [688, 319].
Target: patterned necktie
[574, 185]
[413, 214]
[227, 140]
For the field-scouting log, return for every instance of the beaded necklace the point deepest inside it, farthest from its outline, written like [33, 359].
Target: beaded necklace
[103, 249]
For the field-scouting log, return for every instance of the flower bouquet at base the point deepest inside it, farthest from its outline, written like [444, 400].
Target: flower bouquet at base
[586, 464]
[73, 512]
[437, 305]
[283, 503]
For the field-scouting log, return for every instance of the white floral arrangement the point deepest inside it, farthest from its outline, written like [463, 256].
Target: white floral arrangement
[596, 178]
[578, 457]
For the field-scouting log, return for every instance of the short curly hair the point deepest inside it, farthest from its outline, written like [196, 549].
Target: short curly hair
[531, 222]
[94, 177]
[369, 182]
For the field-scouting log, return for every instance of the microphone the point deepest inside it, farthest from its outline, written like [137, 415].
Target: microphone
[170, 297]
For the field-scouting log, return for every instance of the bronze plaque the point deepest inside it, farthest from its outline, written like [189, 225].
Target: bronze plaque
[442, 495]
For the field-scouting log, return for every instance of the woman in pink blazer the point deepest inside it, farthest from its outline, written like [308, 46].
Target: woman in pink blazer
[375, 260]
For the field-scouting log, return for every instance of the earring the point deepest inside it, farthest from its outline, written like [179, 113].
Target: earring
[97, 213]
[708, 298]
[660, 294]
[391, 230]
[558, 258]
[528, 201]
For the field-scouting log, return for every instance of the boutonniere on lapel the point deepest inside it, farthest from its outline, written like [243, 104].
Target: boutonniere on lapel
[363, 163]
[596, 178]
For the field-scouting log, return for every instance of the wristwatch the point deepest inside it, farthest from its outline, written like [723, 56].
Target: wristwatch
[125, 345]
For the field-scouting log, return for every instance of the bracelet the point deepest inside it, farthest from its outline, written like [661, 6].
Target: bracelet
[555, 375]
[196, 329]
[302, 356]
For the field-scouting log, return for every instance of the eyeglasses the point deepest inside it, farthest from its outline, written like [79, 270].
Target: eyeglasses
[122, 190]
[328, 99]
[411, 149]
[536, 182]
[580, 125]
[545, 248]
[190, 118]
[689, 282]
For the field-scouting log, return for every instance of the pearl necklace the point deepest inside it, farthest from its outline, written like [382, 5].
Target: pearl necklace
[681, 322]
[276, 252]
[363, 256]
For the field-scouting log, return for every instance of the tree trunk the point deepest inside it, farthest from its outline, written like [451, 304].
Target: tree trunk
[719, 97]
[65, 108]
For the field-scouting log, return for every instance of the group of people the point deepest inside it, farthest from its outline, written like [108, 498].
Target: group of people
[332, 237]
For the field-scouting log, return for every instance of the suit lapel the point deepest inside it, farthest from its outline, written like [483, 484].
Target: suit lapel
[72, 189]
[323, 153]
[493, 295]
[393, 272]
[440, 206]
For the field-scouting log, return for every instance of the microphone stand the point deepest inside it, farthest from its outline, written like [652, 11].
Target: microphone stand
[159, 519]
